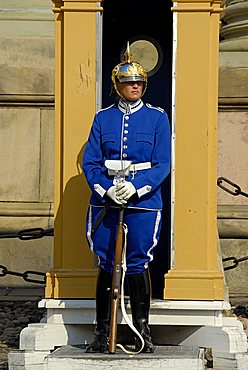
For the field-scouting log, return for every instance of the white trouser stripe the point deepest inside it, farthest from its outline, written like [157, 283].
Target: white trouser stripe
[90, 228]
[155, 240]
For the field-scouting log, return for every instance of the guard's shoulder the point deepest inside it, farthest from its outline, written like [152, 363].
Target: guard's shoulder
[105, 109]
[156, 108]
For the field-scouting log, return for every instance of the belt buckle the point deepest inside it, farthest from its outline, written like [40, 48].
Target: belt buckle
[120, 176]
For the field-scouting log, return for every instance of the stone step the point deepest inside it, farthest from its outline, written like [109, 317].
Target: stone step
[164, 358]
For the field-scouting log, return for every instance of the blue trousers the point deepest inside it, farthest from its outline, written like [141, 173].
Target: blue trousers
[142, 237]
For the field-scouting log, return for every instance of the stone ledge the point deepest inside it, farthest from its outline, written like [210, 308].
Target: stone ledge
[233, 229]
[17, 293]
[232, 211]
[187, 313]
[27, 99]
[233, 222]
[26, 209]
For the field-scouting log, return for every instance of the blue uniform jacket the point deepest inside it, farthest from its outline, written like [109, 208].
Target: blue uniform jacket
[137, 132]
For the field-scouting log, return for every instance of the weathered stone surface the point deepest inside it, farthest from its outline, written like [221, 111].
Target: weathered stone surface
[171, 357]
[233, 228]
[18, 255]
[26, 18]
[233, 80]
[236, 279]
[19, 154]
[232, 212]
[47, 155]
[233, 154]
[235, 19]
[12, 223]
[27, 66]
[18, 209]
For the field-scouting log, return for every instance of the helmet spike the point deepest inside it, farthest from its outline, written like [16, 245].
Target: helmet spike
[128, 54]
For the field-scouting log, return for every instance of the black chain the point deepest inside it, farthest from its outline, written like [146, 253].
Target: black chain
[28, 234]
[24, 275]
[234, 190]
[235, 262]
[237, 190]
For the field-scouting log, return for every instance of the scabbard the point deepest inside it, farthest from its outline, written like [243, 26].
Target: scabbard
[100, 217]
[116, 283]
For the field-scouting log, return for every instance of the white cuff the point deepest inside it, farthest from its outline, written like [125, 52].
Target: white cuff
[144, 190]
[99, 189]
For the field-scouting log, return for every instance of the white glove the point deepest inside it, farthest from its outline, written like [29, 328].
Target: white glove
[111, 193]
[124, 191]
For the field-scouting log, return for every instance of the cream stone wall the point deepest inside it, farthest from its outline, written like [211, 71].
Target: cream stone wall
[233, 141]
[20, 154]
[26, 133]
[236, 279]
[233, 153]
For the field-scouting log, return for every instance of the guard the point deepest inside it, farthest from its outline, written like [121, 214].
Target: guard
[126, 160]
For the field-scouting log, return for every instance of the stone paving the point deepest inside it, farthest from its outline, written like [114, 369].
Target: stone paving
[164, 357]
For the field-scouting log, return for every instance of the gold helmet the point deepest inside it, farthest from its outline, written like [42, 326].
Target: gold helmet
[128, 71]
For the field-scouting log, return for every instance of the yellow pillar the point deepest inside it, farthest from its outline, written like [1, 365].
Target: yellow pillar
[73, 274]
[195, 275]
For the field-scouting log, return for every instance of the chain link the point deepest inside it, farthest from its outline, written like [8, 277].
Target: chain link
[235, 262]
[234, 190]
[28, 234]
[24, 275]
[237, 190]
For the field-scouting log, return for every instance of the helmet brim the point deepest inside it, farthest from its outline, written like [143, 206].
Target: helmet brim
[130, 79]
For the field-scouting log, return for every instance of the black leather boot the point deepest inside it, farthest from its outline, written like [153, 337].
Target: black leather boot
[103, 308]
[139, 292]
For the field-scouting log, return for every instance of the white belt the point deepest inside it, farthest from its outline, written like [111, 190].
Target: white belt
[120, 168]
[140, 166]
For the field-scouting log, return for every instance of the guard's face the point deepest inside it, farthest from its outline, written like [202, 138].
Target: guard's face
[132, 90]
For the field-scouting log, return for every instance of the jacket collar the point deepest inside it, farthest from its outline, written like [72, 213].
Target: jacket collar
[129, 108]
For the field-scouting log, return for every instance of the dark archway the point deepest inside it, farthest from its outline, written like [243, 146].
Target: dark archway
[128, 20]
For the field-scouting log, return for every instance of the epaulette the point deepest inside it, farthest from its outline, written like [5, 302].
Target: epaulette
[157, 108]
[100, 110]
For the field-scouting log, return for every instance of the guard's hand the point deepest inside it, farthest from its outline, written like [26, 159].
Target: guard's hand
[124, 191]
[111, 193]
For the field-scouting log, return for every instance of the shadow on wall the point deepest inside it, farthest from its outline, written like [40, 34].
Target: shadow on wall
[71, 218]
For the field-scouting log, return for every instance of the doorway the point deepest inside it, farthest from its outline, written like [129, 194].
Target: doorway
[148, 28]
